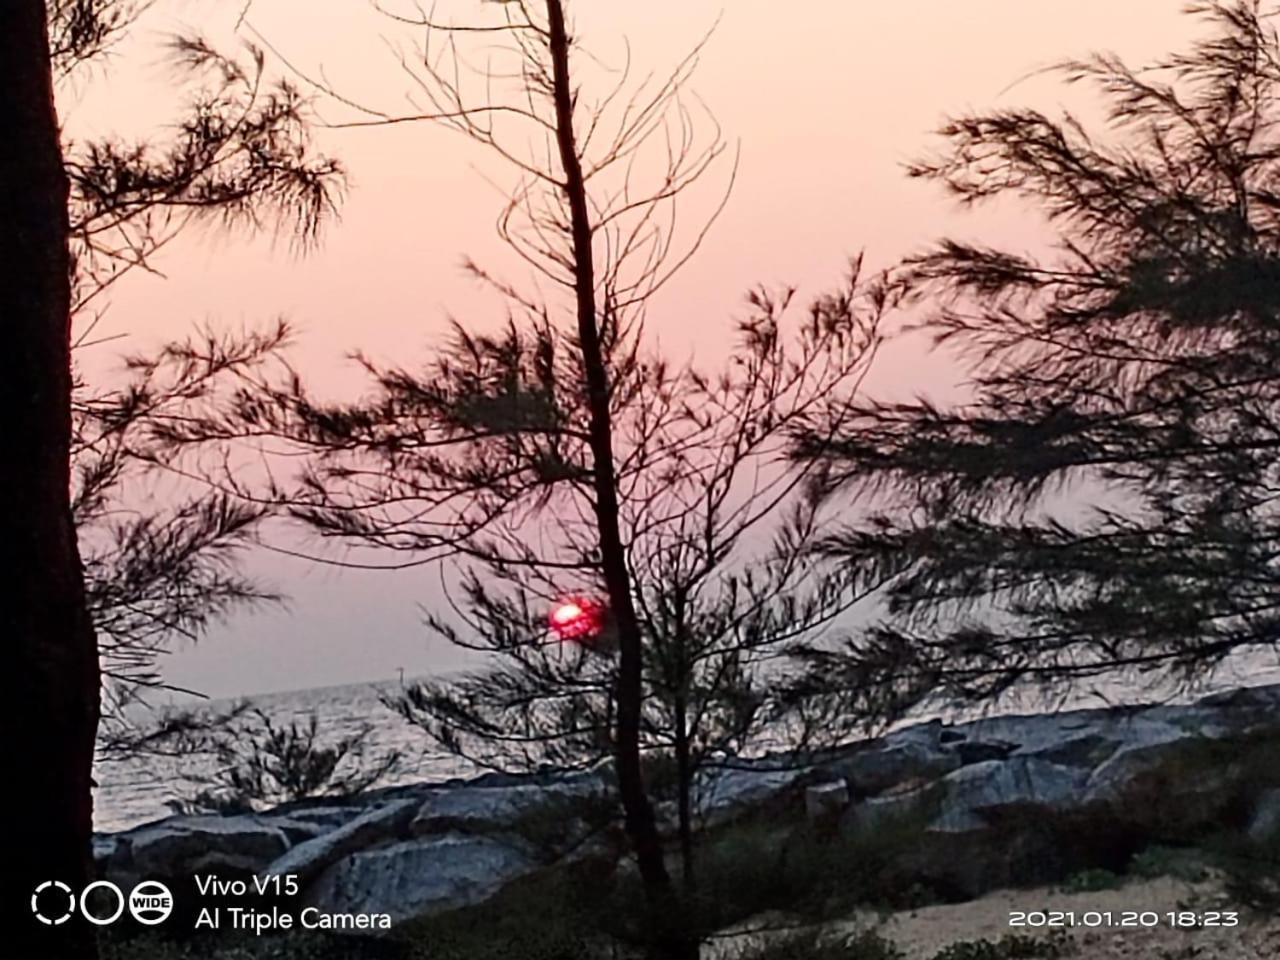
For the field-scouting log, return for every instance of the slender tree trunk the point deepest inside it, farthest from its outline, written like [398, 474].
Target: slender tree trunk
[684, 780]
[640, 824]
[51, 654]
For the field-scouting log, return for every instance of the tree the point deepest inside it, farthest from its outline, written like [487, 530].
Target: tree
[68, 236]
[241, 160]
[715, 530]
[563, 458]
[258, 762]
[1137, 364]
[54, 657]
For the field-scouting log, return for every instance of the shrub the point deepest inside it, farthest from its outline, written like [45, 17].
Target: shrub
[260, 763]
[762, 865]
[1087, 881]
[816, 945]
[1181, 864]
[562, 914]
[1251, 869]
[1016, 947]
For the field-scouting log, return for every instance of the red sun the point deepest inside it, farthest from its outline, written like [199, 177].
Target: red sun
[578, 619]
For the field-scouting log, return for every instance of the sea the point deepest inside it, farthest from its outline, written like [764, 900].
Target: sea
[140, 789]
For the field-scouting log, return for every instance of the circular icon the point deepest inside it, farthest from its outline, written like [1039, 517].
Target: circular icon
[35, 902]
[106, 885]
[150, 902]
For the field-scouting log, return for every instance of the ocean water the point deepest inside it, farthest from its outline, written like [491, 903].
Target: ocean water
[137, 790]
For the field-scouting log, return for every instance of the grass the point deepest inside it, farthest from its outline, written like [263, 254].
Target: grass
[869, 945]
[1089, 881]
[754, 867]
[1016, 947]
[230, 946]
[1180, 863]
[817, 945]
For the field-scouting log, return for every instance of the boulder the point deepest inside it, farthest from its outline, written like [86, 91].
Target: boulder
[980, 751]
[387, 822]
[1086, 750]
[420, 875]
[183, 846]
[964, 865]
[1264, 825]
[825, 801]
[495, 808]
[299, 830]
[1169, 790]
[722, 793]
[974, 795]
[320, 818]
[914, 804]
[915, 754]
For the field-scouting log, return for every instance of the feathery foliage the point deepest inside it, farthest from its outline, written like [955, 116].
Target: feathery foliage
[1136, 367]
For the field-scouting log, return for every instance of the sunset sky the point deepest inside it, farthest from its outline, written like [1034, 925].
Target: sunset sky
[827, 99]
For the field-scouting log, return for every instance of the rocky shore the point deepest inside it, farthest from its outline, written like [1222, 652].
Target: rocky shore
[997, 802]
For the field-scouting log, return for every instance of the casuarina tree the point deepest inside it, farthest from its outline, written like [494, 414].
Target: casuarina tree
[239, 158]
[53, 700]
[70, 236]
[560, 458]
[1104, 498]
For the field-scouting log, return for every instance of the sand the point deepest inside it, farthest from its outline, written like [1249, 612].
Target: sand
[922, 933]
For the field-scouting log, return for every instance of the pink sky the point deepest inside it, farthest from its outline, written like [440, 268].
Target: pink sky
[828, 99]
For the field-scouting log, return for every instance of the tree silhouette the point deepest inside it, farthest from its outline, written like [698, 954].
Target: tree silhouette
[76, 218]
[51, 645]
[240, 160]
[559, 456]
[1136, 365]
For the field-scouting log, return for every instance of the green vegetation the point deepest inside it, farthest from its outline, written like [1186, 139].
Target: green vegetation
[816, 945]
[1251, 869]
[761, 866]
[259, 763]
[1086, 881]
[1016, 947]
[1186, 864]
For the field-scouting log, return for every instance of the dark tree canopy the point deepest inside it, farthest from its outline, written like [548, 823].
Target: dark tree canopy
[238, 157]
[1135, 368]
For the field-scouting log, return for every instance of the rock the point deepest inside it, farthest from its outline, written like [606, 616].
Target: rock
[105, 846]
[299, 831]
[321, 819]
[1169, 790]
[980, 751]
[973, 795]
[387, 822]
[1265, 823]
[1260, 698]
[1086, 750]
[968, 864]
[183, 846]
[1000, 800]
[880, 766]
[419, 876]
[824, 801]
[894, 807]
[720, 793]
[490, 809]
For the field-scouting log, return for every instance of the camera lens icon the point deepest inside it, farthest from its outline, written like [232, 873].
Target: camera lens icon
[43, 903]
[94, 918]
[150, 903]
[54, 903]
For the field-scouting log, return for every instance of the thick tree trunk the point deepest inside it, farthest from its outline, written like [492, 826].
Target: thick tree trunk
[641, 827]
[51, 655]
